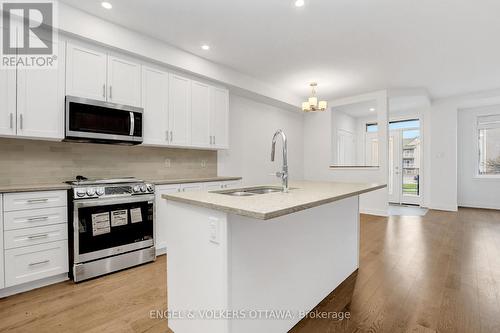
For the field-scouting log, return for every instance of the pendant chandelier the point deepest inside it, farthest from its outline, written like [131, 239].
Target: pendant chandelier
[312, 103]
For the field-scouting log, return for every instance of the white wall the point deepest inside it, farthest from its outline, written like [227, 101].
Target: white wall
[251, 128]
[474, 191]
[317, 154]
[442, 158]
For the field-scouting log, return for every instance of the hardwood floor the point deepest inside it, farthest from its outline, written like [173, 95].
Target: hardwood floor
[433, 273]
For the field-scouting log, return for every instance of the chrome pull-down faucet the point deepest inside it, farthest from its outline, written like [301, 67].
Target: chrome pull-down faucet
[283, 174]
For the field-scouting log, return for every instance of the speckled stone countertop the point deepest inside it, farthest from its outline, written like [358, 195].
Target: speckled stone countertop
[64, 186]
[302, 195]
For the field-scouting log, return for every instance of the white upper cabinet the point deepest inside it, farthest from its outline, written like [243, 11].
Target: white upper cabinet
[155, 104]
[219, 118]
[40, 101]
[7, 102]
[124, 81]
[179, 95]
[97, 75]
[200, 114]
[85, 72]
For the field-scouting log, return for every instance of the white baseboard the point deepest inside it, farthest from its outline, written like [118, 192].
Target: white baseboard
[477, 205]
[161, 251]
[33, 285]
[371, 211]
[448, 208]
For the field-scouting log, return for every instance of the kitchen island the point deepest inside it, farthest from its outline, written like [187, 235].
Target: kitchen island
[258, 259]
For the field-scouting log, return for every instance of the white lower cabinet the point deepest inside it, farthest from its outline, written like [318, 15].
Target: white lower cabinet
[2, 282]
[35, 262]
[214, 186]
[161, 213]
[34, 237]
[191, 187]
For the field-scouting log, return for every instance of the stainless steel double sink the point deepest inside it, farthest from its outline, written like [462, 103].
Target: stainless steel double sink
[246, 192]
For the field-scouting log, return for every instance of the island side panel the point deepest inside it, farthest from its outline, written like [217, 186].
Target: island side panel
[290, 262]
[197, 270]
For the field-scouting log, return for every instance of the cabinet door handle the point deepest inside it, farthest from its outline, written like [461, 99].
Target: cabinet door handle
[38, 236]
[110, 92]
[104, 90]
[39, 262]
[11, 120]
[166, 133]
[214, 139]
[171, 136]
[21, 121]
[40, 218]
[37, 200]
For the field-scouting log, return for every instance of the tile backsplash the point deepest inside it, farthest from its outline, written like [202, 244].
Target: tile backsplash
[36, 162]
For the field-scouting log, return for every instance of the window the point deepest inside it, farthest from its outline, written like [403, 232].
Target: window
[489, 144]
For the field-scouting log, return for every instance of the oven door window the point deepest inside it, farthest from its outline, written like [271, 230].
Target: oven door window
[105, 227]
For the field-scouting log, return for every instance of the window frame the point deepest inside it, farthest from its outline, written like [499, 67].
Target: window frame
[477, 161]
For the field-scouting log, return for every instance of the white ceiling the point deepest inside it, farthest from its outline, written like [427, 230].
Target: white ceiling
[348, 46]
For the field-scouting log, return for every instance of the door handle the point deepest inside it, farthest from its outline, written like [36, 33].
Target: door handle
[41, 218]
[38, 236]
[132, 124]
[39, 262]
[37, 200]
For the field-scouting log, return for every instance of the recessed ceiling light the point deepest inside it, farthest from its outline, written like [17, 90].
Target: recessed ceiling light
[299, 3]
[106, 5]
[205, 47]
[371, 109]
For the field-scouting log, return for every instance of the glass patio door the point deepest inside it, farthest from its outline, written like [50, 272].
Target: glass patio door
[405, 151]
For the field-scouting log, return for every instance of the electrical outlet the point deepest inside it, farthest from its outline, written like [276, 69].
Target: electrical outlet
[167, 162]
[203, 163]
[213, 230]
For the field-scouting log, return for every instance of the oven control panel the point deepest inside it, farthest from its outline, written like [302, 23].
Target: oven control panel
[121, 190]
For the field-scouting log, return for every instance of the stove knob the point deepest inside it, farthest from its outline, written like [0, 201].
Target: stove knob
[91, 191]
[100, 191]
[80, 192]
[137, 188]
[143, 188]
[150, 188]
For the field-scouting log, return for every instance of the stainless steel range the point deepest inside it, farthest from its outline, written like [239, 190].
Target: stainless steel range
[111, 225]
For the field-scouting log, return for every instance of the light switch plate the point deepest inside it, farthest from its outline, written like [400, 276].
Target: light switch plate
[214, 230]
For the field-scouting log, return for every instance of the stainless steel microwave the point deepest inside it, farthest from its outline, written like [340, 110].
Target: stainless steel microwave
[89, 120]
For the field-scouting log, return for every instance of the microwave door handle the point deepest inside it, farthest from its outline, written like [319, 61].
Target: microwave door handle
[132, 124]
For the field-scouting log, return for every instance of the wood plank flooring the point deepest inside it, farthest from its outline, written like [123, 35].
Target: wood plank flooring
[433, 273]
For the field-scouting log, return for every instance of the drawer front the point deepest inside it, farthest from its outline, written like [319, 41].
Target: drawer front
[33, 236]
[231, 184]
[34, 218]
[35, 262]
[34, 200]
[212, 186]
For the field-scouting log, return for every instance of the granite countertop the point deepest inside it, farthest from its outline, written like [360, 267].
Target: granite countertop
[302, 195]
[64, 186]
